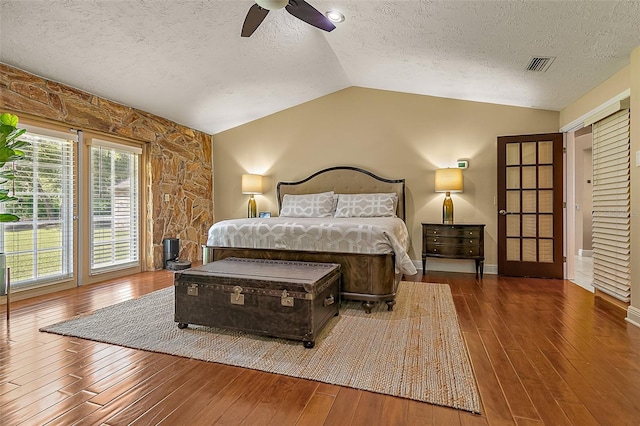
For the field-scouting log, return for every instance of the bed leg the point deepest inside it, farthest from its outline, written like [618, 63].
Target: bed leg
[368, 306]
[390, 304]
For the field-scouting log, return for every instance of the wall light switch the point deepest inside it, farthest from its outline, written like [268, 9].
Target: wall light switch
[637, 158]
[166, 197]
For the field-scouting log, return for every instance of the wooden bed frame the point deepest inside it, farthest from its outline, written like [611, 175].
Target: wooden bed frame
[369, 278]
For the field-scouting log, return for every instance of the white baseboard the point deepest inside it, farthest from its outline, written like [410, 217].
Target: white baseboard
[633, 316]
[586, 286]
[454, 265]
[585, 253]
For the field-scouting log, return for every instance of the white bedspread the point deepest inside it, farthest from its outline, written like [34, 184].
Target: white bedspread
[344, 235]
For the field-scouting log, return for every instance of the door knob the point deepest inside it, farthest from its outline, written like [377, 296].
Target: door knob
[503, 212]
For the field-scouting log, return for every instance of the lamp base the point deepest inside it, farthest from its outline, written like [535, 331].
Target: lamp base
[252, 209]
[447, 210]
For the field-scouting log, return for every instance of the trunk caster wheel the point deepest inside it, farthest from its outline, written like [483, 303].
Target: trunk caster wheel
[182, 325]
[308, 344]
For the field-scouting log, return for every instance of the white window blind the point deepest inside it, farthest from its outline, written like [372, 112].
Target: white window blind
[40, 246]
[115, 214]
[612, 206]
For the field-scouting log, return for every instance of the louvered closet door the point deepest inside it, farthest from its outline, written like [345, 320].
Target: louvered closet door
[612, 206]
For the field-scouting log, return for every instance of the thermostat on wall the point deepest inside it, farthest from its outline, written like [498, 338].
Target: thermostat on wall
[462, 164]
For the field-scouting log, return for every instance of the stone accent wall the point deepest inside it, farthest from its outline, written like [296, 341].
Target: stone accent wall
[179, 163]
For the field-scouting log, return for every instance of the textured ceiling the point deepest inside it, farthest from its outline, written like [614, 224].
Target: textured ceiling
[185, 59]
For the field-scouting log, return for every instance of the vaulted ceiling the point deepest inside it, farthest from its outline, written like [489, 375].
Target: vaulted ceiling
[185, 60]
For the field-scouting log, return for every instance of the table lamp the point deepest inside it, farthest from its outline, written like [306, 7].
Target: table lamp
[448, 181]
[252, 184]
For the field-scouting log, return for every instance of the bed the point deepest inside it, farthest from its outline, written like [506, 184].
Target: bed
[370, 245]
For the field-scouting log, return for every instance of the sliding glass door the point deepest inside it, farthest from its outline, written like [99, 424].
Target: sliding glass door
[79, 202]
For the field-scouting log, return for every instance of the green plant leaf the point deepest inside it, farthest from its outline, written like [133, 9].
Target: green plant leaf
[8, 217]
[9, 119]
[15, 134]
[6, 199]
[5, 154]
[19, 144]
[9, 152]
[19, 154]
[7, 174]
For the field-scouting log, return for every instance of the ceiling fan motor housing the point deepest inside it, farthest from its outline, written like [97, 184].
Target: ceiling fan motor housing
[272, 4]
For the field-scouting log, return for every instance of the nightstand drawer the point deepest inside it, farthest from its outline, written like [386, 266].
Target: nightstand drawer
[436, 239]
[461, 251]
[453, 231]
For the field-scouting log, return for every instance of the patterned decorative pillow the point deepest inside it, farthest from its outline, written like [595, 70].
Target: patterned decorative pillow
[307, 205]
[367, 205]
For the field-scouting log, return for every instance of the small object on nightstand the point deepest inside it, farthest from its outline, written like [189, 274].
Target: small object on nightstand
[453, 242]
[448, 181]
[252, 184]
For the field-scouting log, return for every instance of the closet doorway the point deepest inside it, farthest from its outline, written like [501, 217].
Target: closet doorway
[583, 242]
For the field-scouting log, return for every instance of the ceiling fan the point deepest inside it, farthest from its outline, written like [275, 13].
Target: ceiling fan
[298, 8]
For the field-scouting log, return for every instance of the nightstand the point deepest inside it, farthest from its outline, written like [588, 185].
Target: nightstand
[453, 241]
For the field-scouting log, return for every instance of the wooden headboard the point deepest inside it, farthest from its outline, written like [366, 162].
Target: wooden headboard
[344, 180]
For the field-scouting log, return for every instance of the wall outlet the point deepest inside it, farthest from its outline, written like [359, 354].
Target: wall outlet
[166, 197]
[637, 158]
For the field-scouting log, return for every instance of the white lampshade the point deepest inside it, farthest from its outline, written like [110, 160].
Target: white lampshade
[251, 184]
[449, 180]
[272, 4]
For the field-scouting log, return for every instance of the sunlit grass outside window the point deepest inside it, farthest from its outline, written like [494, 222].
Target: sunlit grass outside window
[39, 248]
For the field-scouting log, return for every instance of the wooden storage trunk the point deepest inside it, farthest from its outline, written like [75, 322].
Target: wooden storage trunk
[287, 299]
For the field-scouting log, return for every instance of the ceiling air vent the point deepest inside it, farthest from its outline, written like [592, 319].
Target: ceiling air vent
[540, 63]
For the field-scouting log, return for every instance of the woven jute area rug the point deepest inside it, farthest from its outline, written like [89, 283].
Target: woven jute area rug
[416, 352]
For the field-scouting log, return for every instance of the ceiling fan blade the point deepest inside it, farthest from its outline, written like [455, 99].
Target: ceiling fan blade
[254, 18]
[304, 11]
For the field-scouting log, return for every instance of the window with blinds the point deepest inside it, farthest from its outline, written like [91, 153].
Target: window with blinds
[39, 248]
[612, 206]
[114, 193]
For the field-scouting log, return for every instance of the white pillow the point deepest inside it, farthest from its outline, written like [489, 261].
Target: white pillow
[307, 205]
[367, 205]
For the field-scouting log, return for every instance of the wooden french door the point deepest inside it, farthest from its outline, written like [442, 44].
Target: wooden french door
[530, 206]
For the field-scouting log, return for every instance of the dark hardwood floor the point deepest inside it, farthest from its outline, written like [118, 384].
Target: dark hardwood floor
[543, 351]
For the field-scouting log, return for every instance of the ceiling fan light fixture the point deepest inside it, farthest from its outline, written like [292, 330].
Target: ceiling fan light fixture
[272, 4]
[335, 16]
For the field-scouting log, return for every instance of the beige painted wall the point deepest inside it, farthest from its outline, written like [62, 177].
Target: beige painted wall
[613, 86]
[395, 135]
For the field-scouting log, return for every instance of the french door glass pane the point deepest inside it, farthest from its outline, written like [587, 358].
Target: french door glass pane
[114, 208]
[39, 247]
